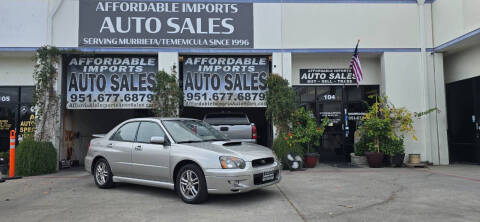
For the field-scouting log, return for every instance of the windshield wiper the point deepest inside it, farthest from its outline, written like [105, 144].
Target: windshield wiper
[191, 141]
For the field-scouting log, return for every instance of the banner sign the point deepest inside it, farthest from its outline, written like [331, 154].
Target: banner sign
[225, 81]
[110, 82]
[327, 76]
[165, 24]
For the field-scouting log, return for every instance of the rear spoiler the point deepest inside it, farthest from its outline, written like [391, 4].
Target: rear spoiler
[98, 135]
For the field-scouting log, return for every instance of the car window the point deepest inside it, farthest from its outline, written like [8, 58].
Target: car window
[147, 130]
[186, 131]
[227, 119]
[126, 132]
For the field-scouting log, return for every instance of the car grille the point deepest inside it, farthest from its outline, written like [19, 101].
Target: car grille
[262, 162]
[257, 178]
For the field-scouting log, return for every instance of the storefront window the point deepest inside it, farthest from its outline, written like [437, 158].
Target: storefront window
[16, 113]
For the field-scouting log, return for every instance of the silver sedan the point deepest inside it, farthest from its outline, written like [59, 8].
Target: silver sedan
[185, 155]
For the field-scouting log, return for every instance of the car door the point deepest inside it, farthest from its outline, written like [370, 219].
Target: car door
[150, 161]
[119, 149]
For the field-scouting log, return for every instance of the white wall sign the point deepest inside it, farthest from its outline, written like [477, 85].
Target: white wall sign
[110, 82]
[225, 81]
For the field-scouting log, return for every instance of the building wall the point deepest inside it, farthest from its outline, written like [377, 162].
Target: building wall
[454, 18]
[16, 70]
[462, 65]
[24, 23]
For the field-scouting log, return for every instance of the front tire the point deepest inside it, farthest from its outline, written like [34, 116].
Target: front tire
[102, 175]
[191, 185]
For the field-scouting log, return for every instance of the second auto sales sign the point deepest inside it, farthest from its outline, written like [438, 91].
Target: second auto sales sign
[110, 82]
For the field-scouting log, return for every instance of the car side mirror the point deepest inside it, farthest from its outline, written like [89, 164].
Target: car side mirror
[157, 140]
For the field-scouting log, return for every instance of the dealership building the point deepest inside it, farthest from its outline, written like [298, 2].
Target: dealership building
[421, 54]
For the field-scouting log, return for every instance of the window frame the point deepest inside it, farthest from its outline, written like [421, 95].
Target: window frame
[159, 125]
[120, 127]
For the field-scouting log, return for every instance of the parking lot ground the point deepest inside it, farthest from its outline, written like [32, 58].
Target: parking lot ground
[440, 193]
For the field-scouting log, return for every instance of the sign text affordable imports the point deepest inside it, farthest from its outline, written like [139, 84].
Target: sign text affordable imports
[165, 24]
[327, 76]
[225, 81]
[110, 82]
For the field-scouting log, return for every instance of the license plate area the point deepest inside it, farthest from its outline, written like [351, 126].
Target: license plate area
[268, 175]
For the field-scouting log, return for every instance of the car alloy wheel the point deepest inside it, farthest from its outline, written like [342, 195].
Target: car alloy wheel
[101, 173]
[189, 184]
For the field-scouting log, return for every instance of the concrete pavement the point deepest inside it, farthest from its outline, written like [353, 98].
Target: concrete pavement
[445, 193]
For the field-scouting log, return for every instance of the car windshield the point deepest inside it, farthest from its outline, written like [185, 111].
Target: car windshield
[190, 131]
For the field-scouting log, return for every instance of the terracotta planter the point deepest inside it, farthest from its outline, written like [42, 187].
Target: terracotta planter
[374, 159]
[397, 160]
[311, 159]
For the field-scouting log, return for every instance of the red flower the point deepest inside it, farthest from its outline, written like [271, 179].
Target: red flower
[290, 134]
[298, 123]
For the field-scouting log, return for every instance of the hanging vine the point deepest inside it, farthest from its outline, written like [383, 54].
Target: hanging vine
[45, 98]
[168, 94]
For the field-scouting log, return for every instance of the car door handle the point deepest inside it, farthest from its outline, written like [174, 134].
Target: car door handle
[110, 145]
[139, 148]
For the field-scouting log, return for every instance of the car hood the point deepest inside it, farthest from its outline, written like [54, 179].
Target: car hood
[246, 151]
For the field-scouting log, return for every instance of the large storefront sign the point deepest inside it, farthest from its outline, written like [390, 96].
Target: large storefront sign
[110, 82]
[225, 81]
[327, 76]
[165, 24]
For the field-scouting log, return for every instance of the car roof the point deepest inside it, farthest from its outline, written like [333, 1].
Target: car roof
[160, 118]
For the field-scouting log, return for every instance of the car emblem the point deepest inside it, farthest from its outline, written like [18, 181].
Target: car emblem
[263, 161]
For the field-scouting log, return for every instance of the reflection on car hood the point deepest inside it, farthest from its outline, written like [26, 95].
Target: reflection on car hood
[247, 151]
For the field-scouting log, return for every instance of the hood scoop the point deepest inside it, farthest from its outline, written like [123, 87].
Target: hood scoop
[232, 144]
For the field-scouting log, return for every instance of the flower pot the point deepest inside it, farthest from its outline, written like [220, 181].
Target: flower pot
[311, 159]
[358, 160]
[414, 158]
[397, 160]
[374, 159]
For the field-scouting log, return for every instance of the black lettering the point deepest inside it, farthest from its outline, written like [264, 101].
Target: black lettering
[73, 82]
[245, 86]
[189, 81]
[83, 82]
[114, 82]
[142, 81]
[152, 82]
[198, 81]
[228, 82]
[92, 81]
[207, 76]
[254, 80]
[101, 83]
[215, 82]
[124, 85]
[132, 83]
[238, 82]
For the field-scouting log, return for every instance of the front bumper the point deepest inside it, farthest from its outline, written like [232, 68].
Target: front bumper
[227, 181]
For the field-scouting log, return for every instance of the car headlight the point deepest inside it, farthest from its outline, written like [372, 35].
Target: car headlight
[275, 157]
[230, 162]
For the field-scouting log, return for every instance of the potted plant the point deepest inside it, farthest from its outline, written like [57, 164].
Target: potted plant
[305, 131]
[384, 127]
[357, 158]
[393, 148]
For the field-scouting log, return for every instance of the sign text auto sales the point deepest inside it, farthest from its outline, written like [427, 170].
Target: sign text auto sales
[110, 82]
[166, 24]
[231, 81]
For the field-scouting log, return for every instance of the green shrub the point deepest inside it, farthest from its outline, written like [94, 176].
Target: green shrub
[392, 146]
[282, 148]
[35, 158]
[362, 146]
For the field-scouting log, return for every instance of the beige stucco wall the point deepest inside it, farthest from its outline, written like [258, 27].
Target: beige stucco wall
[454, 18]
[16, 70]
[462, 65]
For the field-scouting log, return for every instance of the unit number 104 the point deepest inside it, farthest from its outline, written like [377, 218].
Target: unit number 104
[329, 97]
